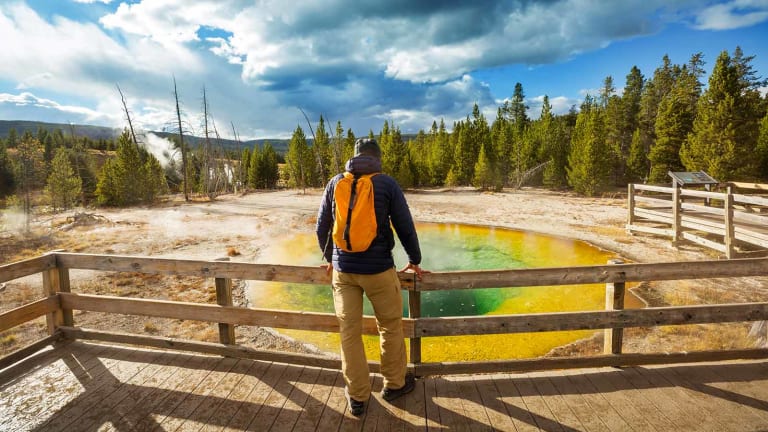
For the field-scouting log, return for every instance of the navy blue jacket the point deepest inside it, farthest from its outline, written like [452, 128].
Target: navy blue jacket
[390, 206]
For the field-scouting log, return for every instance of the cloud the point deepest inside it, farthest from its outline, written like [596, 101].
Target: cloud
[732, 15]
[46, 108]
[402, 61]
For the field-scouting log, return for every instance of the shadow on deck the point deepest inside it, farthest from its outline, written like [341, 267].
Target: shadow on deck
[91, 386]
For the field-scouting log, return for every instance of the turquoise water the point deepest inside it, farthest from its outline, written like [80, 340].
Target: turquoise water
[449, 247]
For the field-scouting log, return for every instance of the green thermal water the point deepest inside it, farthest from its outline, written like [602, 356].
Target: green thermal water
[447, 247]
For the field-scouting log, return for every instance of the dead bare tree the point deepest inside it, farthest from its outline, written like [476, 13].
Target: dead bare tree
[184, 174]
[127, 116]
[320, 167]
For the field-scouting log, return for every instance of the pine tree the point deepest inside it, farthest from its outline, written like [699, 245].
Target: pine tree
[554, 146]
[30, 170]
[485, 174]
[322, 147]
[269, 167]
[254, 169]
[63, 185]
[6, 171]
[299, 160]
[725, 131]
[588, 169]
[672, 126]
[245, 166]
[133, 176]
[762, 149]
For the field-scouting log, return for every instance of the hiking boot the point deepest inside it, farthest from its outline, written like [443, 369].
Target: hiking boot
[356, 407]
[391, 394]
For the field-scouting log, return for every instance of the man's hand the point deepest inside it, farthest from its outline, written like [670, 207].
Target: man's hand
[328, 268]
[414, 268]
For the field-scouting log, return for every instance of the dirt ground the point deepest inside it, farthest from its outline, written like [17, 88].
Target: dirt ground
[241, 227]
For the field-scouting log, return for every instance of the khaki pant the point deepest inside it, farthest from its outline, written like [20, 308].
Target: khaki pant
[383, 290]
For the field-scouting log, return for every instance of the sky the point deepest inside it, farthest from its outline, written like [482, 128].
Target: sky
[360, 62]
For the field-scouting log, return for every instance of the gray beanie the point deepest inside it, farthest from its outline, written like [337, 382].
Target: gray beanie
[367, 146]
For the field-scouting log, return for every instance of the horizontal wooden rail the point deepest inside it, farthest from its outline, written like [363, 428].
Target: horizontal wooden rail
[703, 209]
[595, 274]
[745, 185]
[702, 194]
[529, 323]
[749, 199]
[214, 313]
[201, 268]
[9, 272]
[28, 312]
[660, 202]
[651, 188]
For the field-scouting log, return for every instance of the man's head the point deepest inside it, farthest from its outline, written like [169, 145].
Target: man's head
[367, 147]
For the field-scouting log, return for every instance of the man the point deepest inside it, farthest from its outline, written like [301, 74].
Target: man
[372, 272]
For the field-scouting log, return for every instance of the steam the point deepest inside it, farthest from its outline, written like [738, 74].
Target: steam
[12, 220]
[161, 148]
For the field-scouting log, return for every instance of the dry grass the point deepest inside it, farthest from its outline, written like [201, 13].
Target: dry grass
[8, 339]
[18, 294]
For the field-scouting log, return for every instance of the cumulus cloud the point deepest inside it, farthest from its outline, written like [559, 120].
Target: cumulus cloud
[26, 101]
[357, 62]
[732, 14]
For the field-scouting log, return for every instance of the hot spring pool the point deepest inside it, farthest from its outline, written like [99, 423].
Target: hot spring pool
[447, 247]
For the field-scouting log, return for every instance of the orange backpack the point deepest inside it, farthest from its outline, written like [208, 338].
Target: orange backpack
[354, 222]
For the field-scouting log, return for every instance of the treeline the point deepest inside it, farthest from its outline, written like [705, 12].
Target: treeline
[64, 171]
[667, 122]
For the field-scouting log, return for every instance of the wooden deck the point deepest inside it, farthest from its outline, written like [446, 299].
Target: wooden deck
[90, 386]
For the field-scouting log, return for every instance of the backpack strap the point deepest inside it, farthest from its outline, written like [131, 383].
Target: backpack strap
[352, 198]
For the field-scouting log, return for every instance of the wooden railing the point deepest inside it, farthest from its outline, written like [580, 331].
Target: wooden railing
[693, 215]
[58, 301]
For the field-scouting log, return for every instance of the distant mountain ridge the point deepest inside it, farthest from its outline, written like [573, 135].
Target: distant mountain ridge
[102, 132]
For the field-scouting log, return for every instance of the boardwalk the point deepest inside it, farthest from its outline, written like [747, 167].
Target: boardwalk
[88, 386]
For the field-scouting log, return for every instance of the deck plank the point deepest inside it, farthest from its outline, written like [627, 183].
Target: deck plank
[172, 384]
[698, 381]
[53, 371]
[685, 398]
[296, 400]
[643, 400]
[449, 405]
[333, 413]
[184, 412]
[276, 398]
[538, 386]
[259, 386]
[104, 377]
[577, 402]
[634, 409]
[509, 395]
[663, 398]
[317, 400]
[117, 388]
[536, 405]
[597, 402]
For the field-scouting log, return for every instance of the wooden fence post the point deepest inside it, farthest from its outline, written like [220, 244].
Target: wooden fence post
[51, 287]
[730, 251]
[414, 311]
[224, 298]
[614, 300]
[630, 206]
[677, 217]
